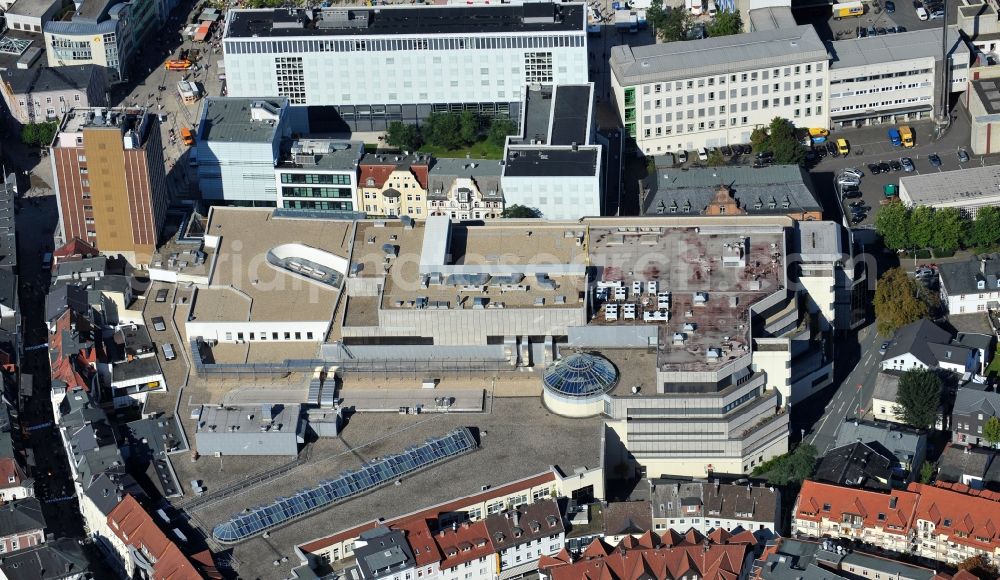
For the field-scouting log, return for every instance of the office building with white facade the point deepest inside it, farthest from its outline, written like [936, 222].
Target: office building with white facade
[893, 78]
[238, 145]
[716, 91]
[319, 174]
[400, 63]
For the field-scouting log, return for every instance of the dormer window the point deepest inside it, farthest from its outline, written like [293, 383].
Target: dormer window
[981, 284]
[370, 182]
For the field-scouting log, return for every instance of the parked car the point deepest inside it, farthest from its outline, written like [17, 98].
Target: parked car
[934, 159]
[907, 164]
[158, 323]
[168, 352]
[703, 154]
[922, 13]
[848, 180]
[843, 147]
[883, 348]
[874, 169]
[963, 156]
[890, 6]
[872, 31]
[727, 150]
[862, 32]
[682, 156]
[900, 29]
[855, 172]
[884, 167]
[831, 148]
[881, 31]
[852, 194]
[937, 15]
[895, 165]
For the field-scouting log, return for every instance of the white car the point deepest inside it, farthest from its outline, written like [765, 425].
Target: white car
[922, 13]
[682, 156]
[854, 172]
[848, 180]
[703, 154]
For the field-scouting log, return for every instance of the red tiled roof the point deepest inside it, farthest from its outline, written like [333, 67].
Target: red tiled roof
[378, 173]
[76, 247]
[134, 526]
[70, 368]
[966, 518]
[10, 469]
[431, 512]
[890, 512]
[628, 561]
[418, 535]
[464, 543]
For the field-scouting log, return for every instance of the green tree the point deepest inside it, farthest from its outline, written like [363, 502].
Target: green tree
[403, 136]
[985, 230]
[468, 127]
[900, 300]
[926, 472]
[671, 24]
[29, 134]
[892, 222]
[922, 227]
[725, 24]
[47, 132]
[790, 468]
[779, 138]
[980, 566]
[716, 158]
[950, 226]
[918, 398]
[499, 129]
[519, 211]
[442, 130]
[991, 430]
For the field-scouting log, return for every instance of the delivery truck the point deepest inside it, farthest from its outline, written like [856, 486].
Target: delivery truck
[894, 137]
[848, 10]
[906, 135]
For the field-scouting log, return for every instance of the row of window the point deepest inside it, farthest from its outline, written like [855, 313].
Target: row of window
[234, 46]
[888, 89]
[711, 111]
[905, 73]
[316, 178]
[319, 204]
[872, 105]
[336, 192]
[751, 76]
[712, 125]
[263, 336]
[743, 92]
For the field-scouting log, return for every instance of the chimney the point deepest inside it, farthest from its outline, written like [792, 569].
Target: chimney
[982, 266]
[516, 516]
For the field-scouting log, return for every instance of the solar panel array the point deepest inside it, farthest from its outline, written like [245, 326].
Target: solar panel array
[348, 484]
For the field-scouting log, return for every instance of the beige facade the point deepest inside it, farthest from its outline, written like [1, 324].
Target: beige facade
[394, 185]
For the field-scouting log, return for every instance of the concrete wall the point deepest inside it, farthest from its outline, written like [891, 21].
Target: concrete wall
[556, 196]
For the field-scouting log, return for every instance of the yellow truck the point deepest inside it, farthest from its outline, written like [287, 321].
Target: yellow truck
[848, 10]
[906, 134]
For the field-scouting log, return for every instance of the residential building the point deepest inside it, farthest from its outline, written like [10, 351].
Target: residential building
[953, 523]
[984, 345]
[96, 504]
[716, 91]
[134, 371]
[858, 465]
[239, 145]
[31, 15]
[40, 94]
[965, 464]
[705, 506]
[773, 190]
[925, 345]
[523, 534]
[14, 484]
[790, 559]
[145, 550]
[966, 190]
[100, 32]
[884, 396]
[59, 559]
[319, 174]
[906, 446]
[364, 62]
[880, 519]
[972, 285]
[972, 409]
[383, 553]
[394, 184]
[22, 525]
[464, 546]
[626, 518]
[264, 430]
[110, 180]
[983, 105]
[893, 78]
[465, 189]
[654, 558]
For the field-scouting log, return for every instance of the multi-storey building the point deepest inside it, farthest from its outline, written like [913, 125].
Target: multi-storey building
[100, 32]
[465, 189]
[22, 525]
[110, 182]
[371, 64]
[971, 285]
[522, 534]
[681, 505]
[394, 184]
[893, 78]
[973, 408]
[319, 174]
[686, 95]
[239, 144]
[43, 93]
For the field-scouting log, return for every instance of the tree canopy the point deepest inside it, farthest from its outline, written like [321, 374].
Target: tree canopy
[520, 211]
[725, 24]
[900, 300]
[779, 138]
[790, 468]
[499, 130]
[40, 134]
[449, 131]
[927, 472]
[980, 566]
[403, 136]
[670, 24]
[991, 430]
[918, 398]
[947, 228]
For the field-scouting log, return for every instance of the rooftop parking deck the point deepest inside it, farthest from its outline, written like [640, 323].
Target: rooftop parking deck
[704, 281]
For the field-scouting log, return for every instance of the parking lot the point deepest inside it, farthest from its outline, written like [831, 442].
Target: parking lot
[876, 16]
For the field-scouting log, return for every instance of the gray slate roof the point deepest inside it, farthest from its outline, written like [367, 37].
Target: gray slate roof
[799, 560]
[42, 78]
[716, 56]
[386, 553]
[719, 500]
[970, 400]
[229, 120]
[896, 47]
[54, 560]
[22, 515]
[963, 277]
[959, 460]
[902, 443]
[856, 465]
[444, 172]
[917, 339]
[690, 191]
[886, 385]
[108, 490]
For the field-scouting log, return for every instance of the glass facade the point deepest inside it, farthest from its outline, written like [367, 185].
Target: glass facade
[310, 204]
[327, 192]
[316, 178]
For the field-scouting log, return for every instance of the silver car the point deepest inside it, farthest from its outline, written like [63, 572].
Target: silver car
[854, 172]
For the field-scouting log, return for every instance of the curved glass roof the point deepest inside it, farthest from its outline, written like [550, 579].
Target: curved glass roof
[581, 375]
[390, 468]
